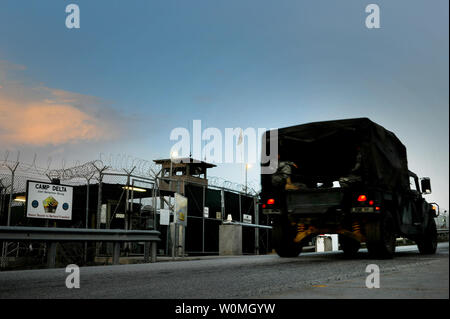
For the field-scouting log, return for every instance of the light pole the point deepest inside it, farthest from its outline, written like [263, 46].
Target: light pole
[174, 235]
[247, 166]
[444, 224]
[173, 154]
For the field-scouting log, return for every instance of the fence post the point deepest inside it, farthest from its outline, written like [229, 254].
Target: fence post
[99, 209]
[116, 253]
[3, 257]
[2, 190]
[146, 251]
[153, 249]
[222, 202]
[256, 210]
[99, 192]
[88, 180]
[203, 220]
[51, 255]
[11, 192]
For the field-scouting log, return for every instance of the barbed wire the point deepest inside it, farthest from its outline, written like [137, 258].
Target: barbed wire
[79, 173]
[226, 184]
[121, 162]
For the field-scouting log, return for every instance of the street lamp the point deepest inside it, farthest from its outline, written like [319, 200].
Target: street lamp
[173, 154]
[20, 199]
[134, 189]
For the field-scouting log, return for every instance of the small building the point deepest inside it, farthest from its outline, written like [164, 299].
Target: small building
[175, 174]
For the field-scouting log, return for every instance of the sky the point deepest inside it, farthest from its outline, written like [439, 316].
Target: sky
[137, 69]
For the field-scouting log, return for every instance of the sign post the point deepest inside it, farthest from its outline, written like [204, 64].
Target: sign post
[180, 221]
[164, 217]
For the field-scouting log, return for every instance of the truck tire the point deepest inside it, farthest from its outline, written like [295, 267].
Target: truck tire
[349, 245]
[283, 234]
[427, 244]
[380, 236]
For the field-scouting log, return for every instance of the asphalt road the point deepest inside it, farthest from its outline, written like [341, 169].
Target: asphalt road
[311, 275]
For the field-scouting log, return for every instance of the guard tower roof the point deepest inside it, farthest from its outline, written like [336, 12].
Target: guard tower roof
[185, 160]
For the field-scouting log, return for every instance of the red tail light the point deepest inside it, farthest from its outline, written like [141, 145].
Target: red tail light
[270, 201]
[362, 198]
[370, 202]
[263, 205]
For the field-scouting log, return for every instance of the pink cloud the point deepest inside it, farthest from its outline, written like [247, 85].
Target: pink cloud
[36, 115]
[11, 66]
[42, 123]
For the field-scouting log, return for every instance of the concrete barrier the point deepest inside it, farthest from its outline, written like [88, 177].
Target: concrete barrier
[230, 239]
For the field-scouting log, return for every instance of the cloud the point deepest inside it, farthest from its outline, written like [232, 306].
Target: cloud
[4, 64]
[42, 116]
[41, 123]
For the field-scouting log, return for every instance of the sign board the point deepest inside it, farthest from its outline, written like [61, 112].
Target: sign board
[103, 214]
[247, 218]
[181, 203]
[206, 212]
[218, 215]
[50, 201]
[164, 217]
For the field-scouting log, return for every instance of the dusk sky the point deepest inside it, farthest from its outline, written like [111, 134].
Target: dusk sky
[137, 69]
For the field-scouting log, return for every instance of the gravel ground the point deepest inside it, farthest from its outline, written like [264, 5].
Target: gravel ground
[311, 275]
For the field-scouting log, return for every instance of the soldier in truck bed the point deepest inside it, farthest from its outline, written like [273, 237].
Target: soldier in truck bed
[355, 173]
[282, 178]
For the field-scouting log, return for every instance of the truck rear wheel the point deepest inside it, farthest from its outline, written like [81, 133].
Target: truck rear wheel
[427, 244]
[283, 234]
[380, 236]
[349, 245]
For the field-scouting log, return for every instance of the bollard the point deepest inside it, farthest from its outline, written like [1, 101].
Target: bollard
[116, 253]
[230, 239]
[149, 252]
[51, 255]
[146, 252]
[153, 247]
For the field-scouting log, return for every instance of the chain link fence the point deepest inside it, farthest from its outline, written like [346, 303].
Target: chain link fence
[106, 179]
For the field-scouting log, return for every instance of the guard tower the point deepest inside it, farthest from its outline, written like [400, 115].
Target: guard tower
[174, 175]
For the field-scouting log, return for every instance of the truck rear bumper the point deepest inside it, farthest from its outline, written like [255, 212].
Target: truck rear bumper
[314, 201]
[313, 231]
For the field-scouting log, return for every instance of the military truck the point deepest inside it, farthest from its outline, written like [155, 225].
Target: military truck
[352, 179]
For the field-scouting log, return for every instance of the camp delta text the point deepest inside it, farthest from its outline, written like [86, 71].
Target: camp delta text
[55, 188]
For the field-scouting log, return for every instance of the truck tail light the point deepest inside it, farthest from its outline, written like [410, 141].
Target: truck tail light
[270, 201]
[362, 198]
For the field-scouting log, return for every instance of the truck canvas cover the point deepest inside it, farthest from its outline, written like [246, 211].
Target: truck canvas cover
[326, 151]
